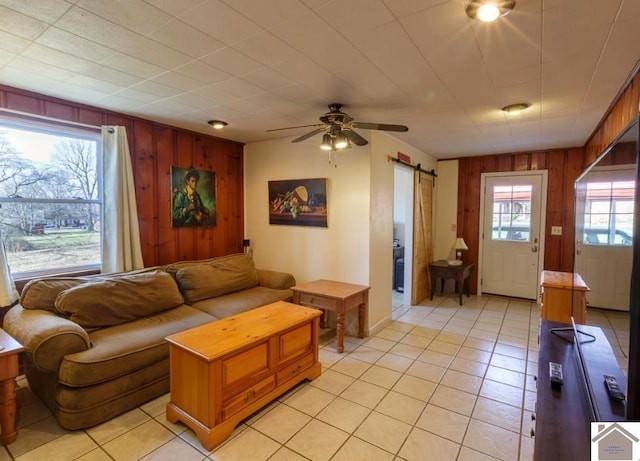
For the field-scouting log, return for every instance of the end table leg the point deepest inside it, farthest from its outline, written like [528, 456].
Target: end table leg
[433, 285]
[340, 331]
[8, 411]
[362, 310]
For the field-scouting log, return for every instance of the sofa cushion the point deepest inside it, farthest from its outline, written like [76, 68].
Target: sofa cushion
[128, 347]
[42, 293]
[173, 268]
[120, 299]
[216, 278]
[240, 301]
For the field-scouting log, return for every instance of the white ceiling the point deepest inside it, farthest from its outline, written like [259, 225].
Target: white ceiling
[261, 65]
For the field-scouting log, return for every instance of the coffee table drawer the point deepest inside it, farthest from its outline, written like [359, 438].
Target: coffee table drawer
[247, 397]
[294, 369]
[247, 363]
[318, 301]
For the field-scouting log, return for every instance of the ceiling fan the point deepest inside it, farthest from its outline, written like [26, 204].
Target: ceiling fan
[338, 129]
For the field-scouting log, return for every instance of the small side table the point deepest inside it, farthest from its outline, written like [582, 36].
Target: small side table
[442, 270]
[338, 297]
[8, 374]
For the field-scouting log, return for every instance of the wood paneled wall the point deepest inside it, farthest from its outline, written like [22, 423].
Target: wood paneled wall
[154, 149]
[623, 109]
[563, 167]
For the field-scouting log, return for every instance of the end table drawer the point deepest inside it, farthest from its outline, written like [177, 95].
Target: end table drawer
[294, 369]
[247, 397]
[317, 301]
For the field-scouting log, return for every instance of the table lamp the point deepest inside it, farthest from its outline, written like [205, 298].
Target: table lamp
[459, 245]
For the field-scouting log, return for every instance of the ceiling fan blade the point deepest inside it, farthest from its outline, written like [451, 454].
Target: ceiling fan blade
[309, 134]
[380, 126]
[292, 127]
[355, 138]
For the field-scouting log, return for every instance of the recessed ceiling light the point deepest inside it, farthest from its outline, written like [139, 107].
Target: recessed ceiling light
[489, 10]
[516, 108]
[217, 124]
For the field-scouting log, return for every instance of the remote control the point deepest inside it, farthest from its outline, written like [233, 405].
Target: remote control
[613, 388]
[555, 373]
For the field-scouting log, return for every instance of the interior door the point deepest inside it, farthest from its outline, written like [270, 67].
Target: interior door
[422, 237]
[511, 256]
[604, 253]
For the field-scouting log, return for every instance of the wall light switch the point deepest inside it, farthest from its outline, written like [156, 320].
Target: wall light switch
[556, 230]
[454, 227]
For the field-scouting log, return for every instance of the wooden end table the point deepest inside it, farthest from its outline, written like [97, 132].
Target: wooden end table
[338, 297]
[8, 374]
[442, 270]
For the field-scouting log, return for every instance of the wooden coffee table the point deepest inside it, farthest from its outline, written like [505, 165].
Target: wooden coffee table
[226, 370]
[8, 373]
[338, 297]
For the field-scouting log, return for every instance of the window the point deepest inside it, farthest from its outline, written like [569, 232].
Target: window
[608, 217]
[512, 213]
[50, 199]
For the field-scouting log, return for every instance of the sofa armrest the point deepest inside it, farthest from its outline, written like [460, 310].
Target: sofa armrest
[46, 337]
[275, 279]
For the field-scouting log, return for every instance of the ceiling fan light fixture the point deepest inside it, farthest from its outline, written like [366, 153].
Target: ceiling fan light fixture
[516, 108]
[489, 10]
[341, 141]
[327, 143]
[217, 124]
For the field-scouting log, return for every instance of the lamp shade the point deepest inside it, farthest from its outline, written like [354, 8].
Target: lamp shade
[460, 245]
[327, 142]
[341, 141]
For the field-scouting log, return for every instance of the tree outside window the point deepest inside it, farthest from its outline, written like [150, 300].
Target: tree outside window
[50, 200]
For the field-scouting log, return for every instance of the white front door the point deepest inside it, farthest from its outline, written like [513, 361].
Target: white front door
[511, 247]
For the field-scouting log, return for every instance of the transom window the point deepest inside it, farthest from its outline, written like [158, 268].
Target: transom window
[50, 199]
[512, 213]
[608, 217]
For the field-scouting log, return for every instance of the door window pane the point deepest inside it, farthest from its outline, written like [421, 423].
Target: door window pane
[512, 213]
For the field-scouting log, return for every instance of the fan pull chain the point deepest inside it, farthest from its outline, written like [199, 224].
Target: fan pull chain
[333, 159]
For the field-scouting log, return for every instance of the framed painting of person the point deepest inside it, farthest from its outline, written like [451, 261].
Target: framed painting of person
[193, 197]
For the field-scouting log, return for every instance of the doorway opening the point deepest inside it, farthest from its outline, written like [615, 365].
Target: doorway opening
[402, 235]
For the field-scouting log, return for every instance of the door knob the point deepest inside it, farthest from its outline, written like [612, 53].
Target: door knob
[534, 249]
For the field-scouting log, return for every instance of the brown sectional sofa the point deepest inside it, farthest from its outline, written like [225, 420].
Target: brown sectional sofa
[95, 346]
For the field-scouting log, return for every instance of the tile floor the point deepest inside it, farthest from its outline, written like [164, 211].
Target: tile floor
[440, 382]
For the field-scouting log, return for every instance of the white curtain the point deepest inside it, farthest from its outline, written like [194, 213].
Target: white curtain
[121, 249]
[8, 292]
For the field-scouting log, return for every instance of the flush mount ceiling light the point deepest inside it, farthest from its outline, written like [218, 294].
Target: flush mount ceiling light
[489, 10]
[217, 124]
[516, 108]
